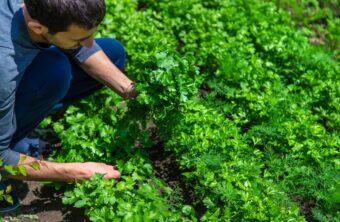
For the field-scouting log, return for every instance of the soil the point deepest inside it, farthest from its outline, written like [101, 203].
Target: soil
[165, 168]
[306, 207]
[204, 89]
[41, 203]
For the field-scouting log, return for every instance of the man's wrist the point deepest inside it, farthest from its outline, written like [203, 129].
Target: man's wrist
[130, 91]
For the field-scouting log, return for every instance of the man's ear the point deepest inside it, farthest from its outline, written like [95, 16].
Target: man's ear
[36, 27]
[32, 24]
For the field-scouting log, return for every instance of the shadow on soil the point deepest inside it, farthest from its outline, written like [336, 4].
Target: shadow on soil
[42, 203]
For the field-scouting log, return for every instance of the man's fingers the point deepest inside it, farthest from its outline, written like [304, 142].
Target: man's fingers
[109, 171]
[113, 174]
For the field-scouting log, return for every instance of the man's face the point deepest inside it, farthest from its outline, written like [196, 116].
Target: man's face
[73, 38]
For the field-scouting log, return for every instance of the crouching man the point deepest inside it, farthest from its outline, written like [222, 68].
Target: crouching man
[49, 59]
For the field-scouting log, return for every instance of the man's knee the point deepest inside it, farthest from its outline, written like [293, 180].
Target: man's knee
[56, 68]
[114, 50]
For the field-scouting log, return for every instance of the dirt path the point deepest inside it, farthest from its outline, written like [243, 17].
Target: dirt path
[41, 203]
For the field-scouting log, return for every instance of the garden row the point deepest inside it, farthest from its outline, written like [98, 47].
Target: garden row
[247, 106]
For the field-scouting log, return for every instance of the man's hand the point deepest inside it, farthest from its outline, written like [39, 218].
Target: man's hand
[63, 172]
[130, 92]
[100, 67]
[86, 170]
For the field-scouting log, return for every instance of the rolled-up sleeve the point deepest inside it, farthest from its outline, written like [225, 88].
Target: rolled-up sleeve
[81, 54]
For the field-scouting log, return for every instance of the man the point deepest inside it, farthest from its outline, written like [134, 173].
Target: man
[48, 59]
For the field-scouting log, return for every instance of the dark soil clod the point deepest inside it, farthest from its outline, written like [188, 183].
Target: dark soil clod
[165, 168]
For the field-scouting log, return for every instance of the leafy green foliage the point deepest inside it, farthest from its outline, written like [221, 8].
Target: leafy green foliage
[11, 170]
[319, 20]
[249, 108]
[134, 198]
[226, 172]
[110, 135]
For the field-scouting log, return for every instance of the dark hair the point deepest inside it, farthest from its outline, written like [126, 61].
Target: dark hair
[58, 15]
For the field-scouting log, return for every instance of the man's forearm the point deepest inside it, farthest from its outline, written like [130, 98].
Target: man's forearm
[100, 67]
[39, 170]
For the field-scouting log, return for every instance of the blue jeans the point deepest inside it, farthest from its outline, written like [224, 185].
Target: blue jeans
[54, 80]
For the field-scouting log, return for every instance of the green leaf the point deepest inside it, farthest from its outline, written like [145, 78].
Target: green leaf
[22, 158]
[22, 170]
[35, 165]
[188, 210]
[10, 169]
[69, 200]
[8, 188]
[9, 198]
[80, 204]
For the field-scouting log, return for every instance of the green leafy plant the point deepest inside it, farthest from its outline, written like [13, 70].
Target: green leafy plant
[249, 108]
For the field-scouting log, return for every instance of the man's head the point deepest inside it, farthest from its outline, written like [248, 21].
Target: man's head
[65, 23]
